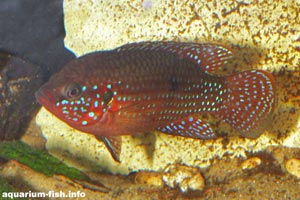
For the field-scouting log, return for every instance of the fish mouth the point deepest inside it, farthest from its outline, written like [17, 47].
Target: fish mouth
[39, 96]
[42, 97]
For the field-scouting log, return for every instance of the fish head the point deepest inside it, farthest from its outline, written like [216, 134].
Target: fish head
[79, 103]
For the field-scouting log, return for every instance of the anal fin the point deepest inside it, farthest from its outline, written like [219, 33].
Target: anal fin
[192, 127]
[113, 144]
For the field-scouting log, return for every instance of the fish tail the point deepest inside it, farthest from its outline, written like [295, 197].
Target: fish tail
[251, 97]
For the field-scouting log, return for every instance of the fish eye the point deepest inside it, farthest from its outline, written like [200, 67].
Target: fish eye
[73, 90]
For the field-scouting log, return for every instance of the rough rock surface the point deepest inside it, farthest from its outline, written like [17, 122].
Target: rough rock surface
[260, 37]
[18, 81]
[32, 48]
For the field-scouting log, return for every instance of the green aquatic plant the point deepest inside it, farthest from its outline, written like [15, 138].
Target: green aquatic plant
[38, 160]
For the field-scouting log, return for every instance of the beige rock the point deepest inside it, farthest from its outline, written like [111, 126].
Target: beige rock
[149, 178]
[293, 166]
[185, 177]
[251, 163]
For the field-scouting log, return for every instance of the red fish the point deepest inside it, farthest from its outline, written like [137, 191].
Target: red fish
[162, 86]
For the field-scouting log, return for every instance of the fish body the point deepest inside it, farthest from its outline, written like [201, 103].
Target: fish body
[160, 86]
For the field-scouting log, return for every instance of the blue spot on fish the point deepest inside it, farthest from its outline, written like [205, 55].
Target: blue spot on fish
[91, 114]
[64, 102]
[96, 104]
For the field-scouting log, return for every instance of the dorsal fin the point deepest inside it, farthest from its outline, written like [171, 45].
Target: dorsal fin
[210, 57]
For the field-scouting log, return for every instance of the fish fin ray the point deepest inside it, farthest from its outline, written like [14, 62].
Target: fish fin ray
[208, 56]
[113, 144]
[251, 97]
[192, 127]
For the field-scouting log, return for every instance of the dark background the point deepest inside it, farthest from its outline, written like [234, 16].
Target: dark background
[31, 50]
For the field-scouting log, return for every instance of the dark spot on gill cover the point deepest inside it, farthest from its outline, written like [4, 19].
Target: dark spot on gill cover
[107, 97]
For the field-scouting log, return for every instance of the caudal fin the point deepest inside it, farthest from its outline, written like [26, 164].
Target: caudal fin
[251, 97]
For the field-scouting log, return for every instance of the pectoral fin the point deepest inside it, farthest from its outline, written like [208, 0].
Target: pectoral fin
[113, 144]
